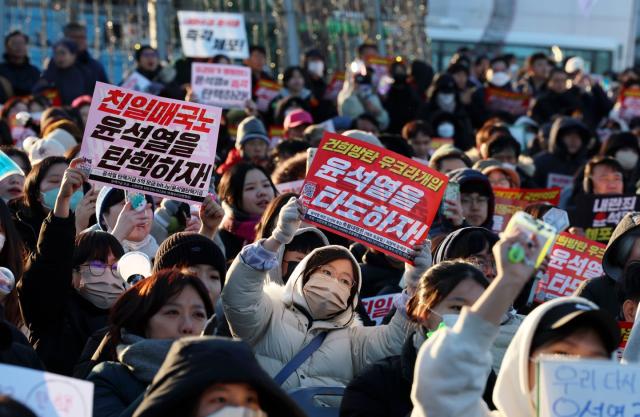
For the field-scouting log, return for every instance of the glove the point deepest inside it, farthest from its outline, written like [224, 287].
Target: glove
[421, 262]
[288, 222]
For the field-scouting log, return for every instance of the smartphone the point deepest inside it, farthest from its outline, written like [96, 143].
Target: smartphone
[452, 192]
[137, 200]
[544, 233]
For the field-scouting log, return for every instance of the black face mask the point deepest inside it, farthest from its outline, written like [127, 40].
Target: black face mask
[291, 265]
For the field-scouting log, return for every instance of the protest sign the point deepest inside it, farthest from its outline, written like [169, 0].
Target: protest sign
[266, 90]
[510, 200]
[572, 260]
[380, 67]
[628, 104]
[206, 34]
[137, 82]
[501, 100]
[290, 187]
[372, 195]
[226, 86]
[573, 387]
[158, 146]
[559, 181]
[599, 215]
[378, 307]
[46, 394]
[334, 86]
[625, 331]
[8, 167]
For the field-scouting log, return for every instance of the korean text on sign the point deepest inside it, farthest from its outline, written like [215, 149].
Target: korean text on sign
[572, 260]
[206, 34]
[378, 307]
[155, 145]
[599, 215]
[371, 195]
[226, 86]
[571, 387]
[511, 200]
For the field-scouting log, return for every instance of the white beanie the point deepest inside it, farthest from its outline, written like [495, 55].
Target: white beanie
[364, 137]
[63, 137]
[45, 148]
[28, 143]
[574, 64]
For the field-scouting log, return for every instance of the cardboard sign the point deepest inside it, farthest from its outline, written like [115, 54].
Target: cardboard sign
[572, 260]
[371, 195]
[206, 34]
[599, 215]
[378, 307]
[266, 90]
[500, 100]
[334, 86]
[569, 387]
[628, 104]
[290, 187]
[511, 200]
[226, 86]
[46, 394]
[625, 331]
[137, 82]
[158, 146]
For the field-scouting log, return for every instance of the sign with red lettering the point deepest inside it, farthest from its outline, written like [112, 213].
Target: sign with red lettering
[599, 215]
[573, 259]
[157, 146]
[371, 195]
[226, 86]
[378, 307]
[628, 104]
[498, 99]
[510, 200]
[206, 34]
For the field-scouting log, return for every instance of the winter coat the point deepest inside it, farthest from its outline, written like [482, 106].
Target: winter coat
[379, 277]
[196, 363]
[452, 366]
[550, 103]
[70, 83]
[14, 347]
[93, 68]
[604, 290]
[384, 388]
[274, 320]
[556, 160]
[22, 77]
[402, 103]
[59, 319]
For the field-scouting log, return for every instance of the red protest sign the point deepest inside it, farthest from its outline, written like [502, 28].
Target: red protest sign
[266, 90]
[628, 104]
[573, 259]
[510, 200]
[625, 331]
[371, 195]
[498, 99]
[378, 307]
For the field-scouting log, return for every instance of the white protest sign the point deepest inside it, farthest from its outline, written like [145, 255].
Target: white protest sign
[569, 387]
[46, 394]
[137, 82]
[290, 187]
[206, 34]
[226, 86]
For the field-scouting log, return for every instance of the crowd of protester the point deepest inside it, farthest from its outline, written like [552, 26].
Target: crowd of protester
[240, 287]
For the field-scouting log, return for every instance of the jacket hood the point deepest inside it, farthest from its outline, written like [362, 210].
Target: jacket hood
[559, 128]
[466, 177]
[511, 393]
[195, 363]
[444, 251]
[275, 275]
[630, 223]
[293, 294]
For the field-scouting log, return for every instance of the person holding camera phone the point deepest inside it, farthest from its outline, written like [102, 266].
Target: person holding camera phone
[358, 95]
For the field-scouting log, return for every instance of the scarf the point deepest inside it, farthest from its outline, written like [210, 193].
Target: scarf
[141, 356]
[239, 223]
[148, 246]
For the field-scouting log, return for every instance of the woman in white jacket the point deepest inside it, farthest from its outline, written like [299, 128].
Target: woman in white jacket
[320, 296]
[452, 365]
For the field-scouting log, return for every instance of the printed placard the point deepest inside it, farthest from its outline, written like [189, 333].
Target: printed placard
[572, 260]
[266, 90]
[570, 387]
[380, 66]
[206, 34]
[371, 195]
[628, 104]
[511, 200]
[290, 187]
[137, 82]
[47, 394]
[158, 146]
[378, 307]
[599, 215]
[226, 86]
[498, 99]
[559, 181]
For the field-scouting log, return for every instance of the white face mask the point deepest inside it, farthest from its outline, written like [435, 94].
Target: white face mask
[232, 411]
[500, 79]
[446, 102]
[316, 68]
[627, 158]
[446, 130]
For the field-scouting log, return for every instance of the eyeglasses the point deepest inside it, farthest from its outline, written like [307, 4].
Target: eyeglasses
[483, 262]
[331, 273]
[481, 199]
[97, 268]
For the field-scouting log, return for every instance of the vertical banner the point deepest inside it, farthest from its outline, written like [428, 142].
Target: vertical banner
[154, 145]
[572, 260]
[510, 200]
[599, 215]
[226, 86]
[206, 34]
[371, 195]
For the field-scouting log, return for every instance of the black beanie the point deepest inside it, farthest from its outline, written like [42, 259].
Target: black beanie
[186, 249]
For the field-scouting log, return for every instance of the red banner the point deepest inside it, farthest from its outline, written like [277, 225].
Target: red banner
[497, 99]
[371, 195]
[628, 104]
[510, 200]
[572, 260]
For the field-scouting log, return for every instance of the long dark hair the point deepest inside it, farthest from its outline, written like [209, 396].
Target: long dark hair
[32, 182]
[231, 184]
[12, 257]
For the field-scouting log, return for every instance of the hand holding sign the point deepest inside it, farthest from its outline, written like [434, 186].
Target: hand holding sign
[288, 222]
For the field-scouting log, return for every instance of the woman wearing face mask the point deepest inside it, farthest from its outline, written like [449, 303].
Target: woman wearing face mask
[245, 191]
[67, 289]
[384, 388]
[214, 377]
[11, 257]
[317, 303]
[143, 324]
[452, 362]
[624, 148]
